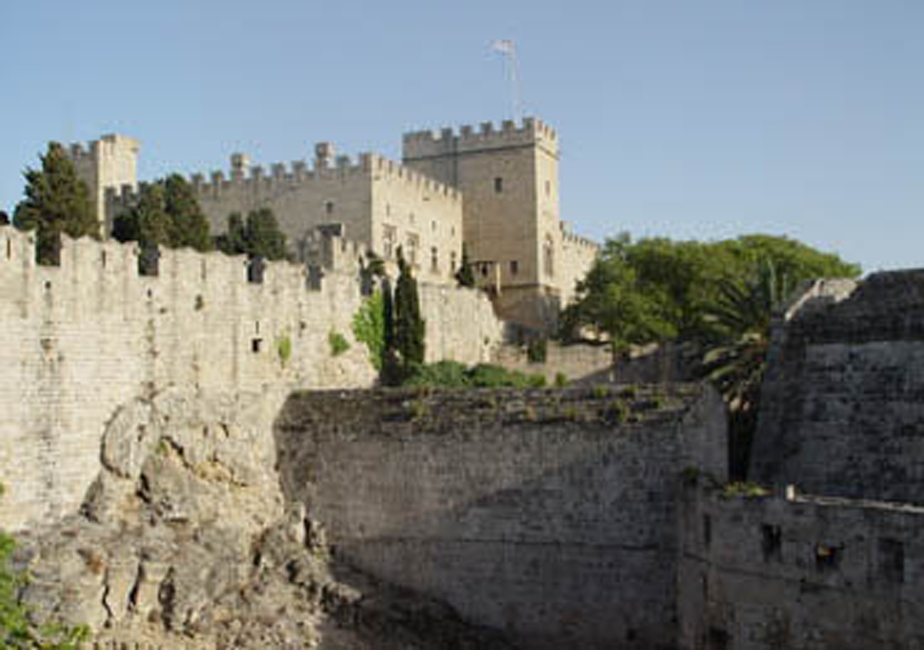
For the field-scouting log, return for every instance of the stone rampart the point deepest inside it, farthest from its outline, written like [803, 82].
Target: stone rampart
[843, 404]
[551, 515]
[424, 144]
[89, 335]
[801, 573]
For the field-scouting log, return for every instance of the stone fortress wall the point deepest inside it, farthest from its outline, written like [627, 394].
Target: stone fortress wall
[84, 338]
[800, 573]
[834, 558]
[549, 515]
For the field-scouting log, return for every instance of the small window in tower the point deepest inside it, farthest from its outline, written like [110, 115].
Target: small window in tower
[389, 239]
[433, 226]
[452, 262]
[514, 267]
[498, 184]
[329, 207]
[548, 188]
[413, 245]
[434, 260]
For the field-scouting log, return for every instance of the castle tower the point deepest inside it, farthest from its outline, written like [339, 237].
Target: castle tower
[512, 230]
[110, 163]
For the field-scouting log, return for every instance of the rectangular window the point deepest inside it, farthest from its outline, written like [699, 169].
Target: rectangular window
[771, 543]
[514, 267]
[548, 188]
[329, 207]
[434, 260]
[413, 246]
[498, 185]
[452, 262]
[389, 240]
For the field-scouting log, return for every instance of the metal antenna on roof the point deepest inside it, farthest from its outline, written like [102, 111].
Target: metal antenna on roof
[508, 49]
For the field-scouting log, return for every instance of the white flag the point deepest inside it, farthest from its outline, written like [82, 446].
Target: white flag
[504, 47]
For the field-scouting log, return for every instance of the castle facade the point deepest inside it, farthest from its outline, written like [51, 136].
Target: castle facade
[495, 190]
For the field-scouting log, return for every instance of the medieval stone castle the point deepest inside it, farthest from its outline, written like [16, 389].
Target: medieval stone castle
[493, 190]
[145, 417]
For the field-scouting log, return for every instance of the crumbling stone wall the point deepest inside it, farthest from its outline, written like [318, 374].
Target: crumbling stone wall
[807, 572]
[551, 515]
[843, 412]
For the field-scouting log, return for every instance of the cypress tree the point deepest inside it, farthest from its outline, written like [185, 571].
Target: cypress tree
[56, 203]
[189, 224]
[465, 276]
[410, 328]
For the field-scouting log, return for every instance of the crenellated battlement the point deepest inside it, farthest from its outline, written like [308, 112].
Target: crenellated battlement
[428, 143]
[282, 176]
[570, 238]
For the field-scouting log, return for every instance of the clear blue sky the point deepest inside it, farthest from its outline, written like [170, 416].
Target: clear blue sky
[704, 119]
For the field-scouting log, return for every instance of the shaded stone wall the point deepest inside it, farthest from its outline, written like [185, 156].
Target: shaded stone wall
[843, 405]
[551, 515]
[811, 572]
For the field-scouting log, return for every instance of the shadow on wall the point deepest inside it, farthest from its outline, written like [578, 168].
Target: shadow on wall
[527, 512]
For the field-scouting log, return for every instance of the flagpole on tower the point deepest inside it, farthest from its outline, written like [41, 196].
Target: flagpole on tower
[508, 49]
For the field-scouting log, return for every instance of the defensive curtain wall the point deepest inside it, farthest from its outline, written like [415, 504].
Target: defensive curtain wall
[552, 515]
[800, 572]
[843, 408]
[83, 338]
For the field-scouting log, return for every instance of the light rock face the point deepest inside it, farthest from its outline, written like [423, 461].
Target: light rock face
[185, 541]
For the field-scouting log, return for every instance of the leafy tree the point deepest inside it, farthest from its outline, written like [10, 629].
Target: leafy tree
[369, 327]
[614, 300]
[4, 218]
[258, 236]
[56, 203]
[656, 289]
[465, 276]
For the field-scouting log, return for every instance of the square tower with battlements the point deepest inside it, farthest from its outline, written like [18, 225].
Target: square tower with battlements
[107, 164]
[508, 177]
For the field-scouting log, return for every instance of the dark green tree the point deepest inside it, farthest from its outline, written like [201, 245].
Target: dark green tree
[4, 218]
[190, 227]
[258, 236]
[410, 328]
[147, 222]
[264, 238]
[391, 363]
[56, 203]
[465, 276]
[234, 240]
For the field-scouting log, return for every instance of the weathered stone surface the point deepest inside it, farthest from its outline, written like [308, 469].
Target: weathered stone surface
[843, 403]
[185, 541]
[550, 515]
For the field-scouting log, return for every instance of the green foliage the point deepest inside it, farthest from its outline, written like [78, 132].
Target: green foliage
[403, 329]
[284, 349]
[452, 374]
[16, 627]
[465, 276]
[167, 214]
[561, 380]
[56, 203]
[369, 327]
[744, 489]
[536, 350]
[258, 236]
[657, 289]
[338, 343]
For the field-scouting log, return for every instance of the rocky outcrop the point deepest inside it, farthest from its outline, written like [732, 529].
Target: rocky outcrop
[185, 541]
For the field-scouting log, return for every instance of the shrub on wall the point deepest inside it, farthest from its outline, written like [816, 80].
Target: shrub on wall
[284, 349]
[452, 374]
[338, 343]
[369, 327]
